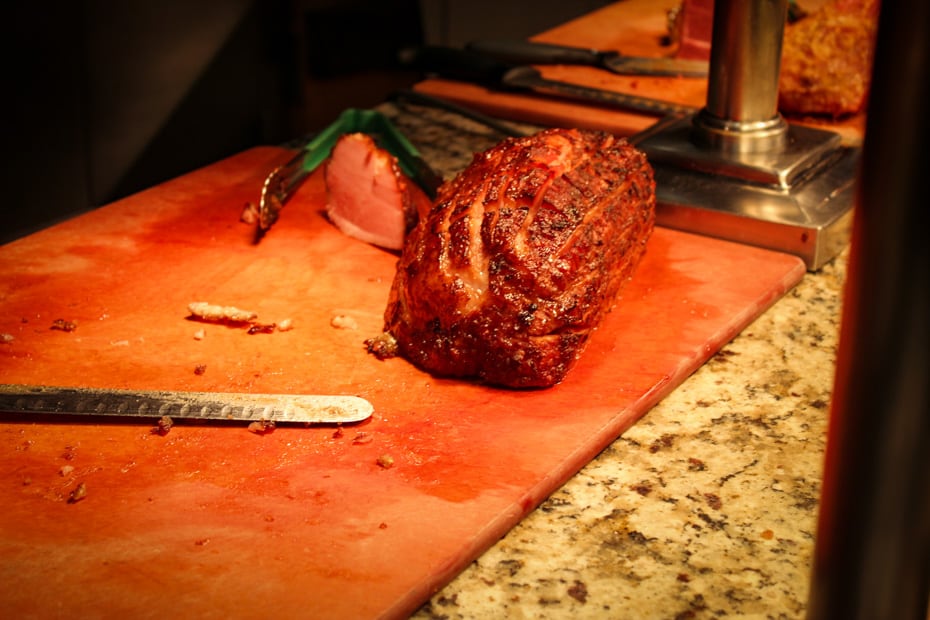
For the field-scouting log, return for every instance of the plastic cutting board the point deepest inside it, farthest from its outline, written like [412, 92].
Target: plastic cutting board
[214, 521]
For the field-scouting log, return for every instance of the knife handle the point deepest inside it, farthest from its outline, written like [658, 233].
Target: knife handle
[528, 52]
[456, 64]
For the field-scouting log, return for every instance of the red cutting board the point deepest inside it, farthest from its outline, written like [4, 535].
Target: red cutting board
[633, 27]
[213, 521]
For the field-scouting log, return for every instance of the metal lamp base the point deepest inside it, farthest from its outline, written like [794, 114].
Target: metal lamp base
[796, 199]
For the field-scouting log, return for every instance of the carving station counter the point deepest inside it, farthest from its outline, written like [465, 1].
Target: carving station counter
[675, 473]
[707, 505]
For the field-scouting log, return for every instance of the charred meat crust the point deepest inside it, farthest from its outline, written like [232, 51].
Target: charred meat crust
[521, 256]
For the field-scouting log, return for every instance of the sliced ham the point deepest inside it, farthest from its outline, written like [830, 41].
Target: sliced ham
[368, 196]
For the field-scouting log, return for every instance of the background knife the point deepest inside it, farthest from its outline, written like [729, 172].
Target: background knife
[277, 408]
[519, 52]
[472, 66]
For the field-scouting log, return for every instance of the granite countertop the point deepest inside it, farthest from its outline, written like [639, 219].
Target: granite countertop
[707, 506]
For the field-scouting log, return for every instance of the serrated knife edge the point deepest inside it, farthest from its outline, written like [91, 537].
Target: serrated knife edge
[298, 408]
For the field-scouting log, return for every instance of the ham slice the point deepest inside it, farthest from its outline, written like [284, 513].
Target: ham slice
[368, 196]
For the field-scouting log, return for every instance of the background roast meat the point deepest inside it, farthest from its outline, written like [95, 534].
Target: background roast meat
[826, 65]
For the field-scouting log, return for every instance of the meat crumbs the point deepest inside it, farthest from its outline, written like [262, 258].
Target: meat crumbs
[63, 325]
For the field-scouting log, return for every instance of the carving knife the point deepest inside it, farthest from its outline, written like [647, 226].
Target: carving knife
[472, 66]
[277, 408]
[519, 52]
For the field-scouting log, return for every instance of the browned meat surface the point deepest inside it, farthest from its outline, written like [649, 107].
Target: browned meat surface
[368, 196]
[826, 62]
[521, 256]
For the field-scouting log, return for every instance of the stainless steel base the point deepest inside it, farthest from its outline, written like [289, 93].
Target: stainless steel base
[797, 200]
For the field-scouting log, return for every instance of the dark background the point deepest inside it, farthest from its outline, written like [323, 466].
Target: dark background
[103, 98]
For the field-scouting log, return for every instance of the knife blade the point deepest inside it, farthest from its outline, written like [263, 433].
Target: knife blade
[277, 408]
[532, 53]
[472, 66]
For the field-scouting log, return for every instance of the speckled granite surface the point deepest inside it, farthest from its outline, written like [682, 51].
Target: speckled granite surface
[707, 507]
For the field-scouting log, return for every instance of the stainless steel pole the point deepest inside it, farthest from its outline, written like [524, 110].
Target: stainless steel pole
[741, 114]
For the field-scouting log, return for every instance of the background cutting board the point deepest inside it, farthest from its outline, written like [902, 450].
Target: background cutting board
[634, 27]
[216, 522]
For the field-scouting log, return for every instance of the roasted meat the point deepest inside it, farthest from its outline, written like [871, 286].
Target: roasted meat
[826, 65]
[520, 257]
[368, 196]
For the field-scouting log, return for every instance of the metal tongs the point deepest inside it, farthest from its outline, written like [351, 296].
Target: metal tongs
[284, 180]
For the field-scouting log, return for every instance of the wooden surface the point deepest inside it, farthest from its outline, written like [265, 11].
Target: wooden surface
[213, 521]
[634, 27]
